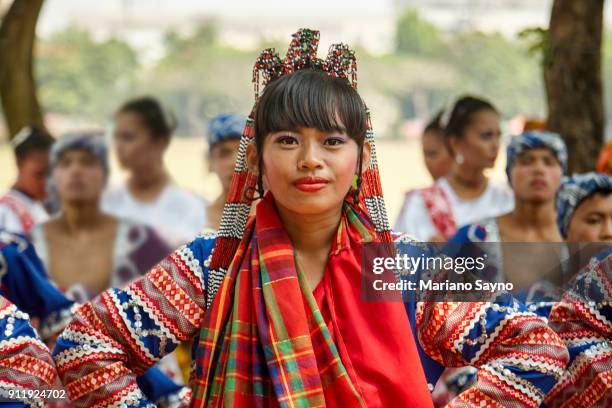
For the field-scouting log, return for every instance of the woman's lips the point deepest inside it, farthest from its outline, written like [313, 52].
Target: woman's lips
[310, 184]
[539, 184]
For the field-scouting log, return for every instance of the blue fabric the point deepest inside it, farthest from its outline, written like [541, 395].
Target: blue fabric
[25, 283]
[536, 139]
[225, 127]
[573, 191]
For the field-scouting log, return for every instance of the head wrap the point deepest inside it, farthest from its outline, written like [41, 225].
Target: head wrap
[92, 142]
[573, 191]
[604, 161]
[532, 140]
[225, 127]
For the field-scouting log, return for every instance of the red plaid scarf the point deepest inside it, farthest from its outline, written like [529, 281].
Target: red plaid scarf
[264, 341]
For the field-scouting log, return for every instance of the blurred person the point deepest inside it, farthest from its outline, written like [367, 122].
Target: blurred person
[85, 250]
[435, 153]
[604, 160]
[24, 282]
[149, 196]
[583, 317]
[275, 300]
[21, 207]
[584, 208]
[224, 133]
[465, 194]
[535, 163]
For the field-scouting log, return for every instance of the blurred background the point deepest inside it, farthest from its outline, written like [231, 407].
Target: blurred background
[415, 57]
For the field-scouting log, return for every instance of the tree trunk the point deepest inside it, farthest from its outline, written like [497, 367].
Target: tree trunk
[17, 86]
[572, 74]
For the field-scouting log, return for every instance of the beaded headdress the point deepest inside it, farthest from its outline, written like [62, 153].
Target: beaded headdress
[302, 54]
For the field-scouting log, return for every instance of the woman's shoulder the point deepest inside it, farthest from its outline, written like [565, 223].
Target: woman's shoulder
[201, 248]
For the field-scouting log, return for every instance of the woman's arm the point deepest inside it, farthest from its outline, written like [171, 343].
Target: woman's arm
[583, 319]
[121, 333]
[518, 357]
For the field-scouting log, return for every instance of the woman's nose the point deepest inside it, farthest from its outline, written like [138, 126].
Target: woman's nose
[310, 157]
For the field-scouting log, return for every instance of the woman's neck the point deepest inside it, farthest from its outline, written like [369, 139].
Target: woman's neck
[468, 177]
[468, 183]
[311, 234]
[147, 185]
[81, 218]
[148, 179]
[535, 216]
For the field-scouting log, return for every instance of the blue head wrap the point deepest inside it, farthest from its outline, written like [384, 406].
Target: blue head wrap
[536, 139]
[573, 191]
[93, 142]
[225, 127]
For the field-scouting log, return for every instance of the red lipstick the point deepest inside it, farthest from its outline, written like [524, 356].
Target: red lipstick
[310, 184]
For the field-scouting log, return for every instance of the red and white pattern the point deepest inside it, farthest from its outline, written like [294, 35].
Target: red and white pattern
[583, 319]
[25, 362]
[440, 210]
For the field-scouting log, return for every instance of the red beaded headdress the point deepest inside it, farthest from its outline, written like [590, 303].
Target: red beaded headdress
[302, 54]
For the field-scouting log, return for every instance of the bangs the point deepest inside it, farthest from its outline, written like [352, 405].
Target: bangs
[310, 99]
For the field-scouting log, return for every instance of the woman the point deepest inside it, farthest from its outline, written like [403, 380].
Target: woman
[435, 152]
[465, 194]
[535, 164]
[536, 161]
[583, 318]
[224, 133]
[149, 196]
[277, 308]
[21, 207]
[85, 250]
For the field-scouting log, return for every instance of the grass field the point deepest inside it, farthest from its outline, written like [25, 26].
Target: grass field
[401, 166]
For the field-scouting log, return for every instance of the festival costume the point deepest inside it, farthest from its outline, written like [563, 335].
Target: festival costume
[437, 210]
[264, 339]
[583, 318]
[19, 213]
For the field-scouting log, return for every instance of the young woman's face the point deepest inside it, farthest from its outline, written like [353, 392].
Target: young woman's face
[134, 144]
[535, 175]
[592, 220]
[78, 177]
[221, 160]
[437, 158]
[479, 144]
[33, 174]
[309, 172]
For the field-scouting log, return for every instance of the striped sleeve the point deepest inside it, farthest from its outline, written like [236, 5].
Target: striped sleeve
[518, 357]
[583, 319]
[122, 333]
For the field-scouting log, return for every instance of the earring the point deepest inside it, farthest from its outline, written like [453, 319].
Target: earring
[459, 159]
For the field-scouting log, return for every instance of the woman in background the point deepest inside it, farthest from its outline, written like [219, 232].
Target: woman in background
[224, 133]
[465, 194]
[149, 196]
[21, 207]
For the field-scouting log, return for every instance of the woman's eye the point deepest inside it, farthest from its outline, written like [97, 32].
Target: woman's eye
[286, 140]
[593, 220]
[487, 135]
[334, 141]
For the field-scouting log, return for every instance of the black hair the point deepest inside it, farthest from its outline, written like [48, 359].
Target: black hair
[31, 139]
[462, 114]
[152, 115]
[435, 124]
[310, 99]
